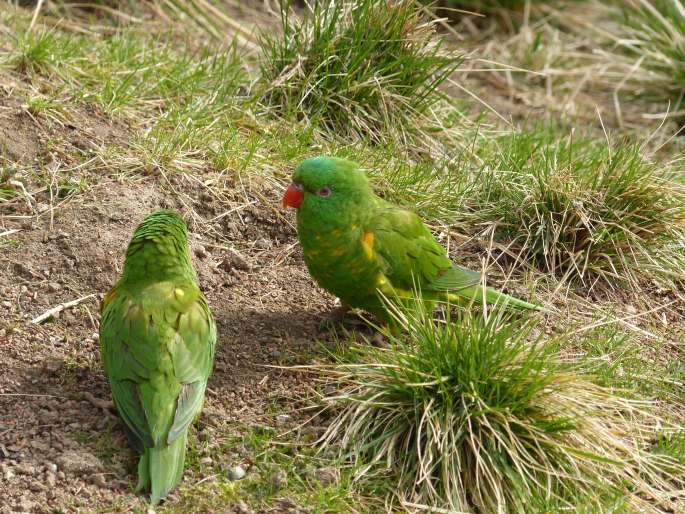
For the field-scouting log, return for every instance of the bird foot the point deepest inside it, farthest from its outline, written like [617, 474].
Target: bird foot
[380, 341]
[334, 318]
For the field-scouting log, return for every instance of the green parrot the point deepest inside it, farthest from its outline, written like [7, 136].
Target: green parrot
[357, 245]
[157, 338]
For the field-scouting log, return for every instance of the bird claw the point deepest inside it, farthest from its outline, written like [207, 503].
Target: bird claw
[380, 341]
[333, 318]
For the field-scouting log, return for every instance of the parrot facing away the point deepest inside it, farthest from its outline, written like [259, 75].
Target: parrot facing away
[157, 338]
[357, 245]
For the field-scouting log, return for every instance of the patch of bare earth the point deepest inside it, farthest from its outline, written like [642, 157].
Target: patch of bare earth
[61, 448]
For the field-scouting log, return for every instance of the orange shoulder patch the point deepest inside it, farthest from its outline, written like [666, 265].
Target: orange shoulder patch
[367, 244]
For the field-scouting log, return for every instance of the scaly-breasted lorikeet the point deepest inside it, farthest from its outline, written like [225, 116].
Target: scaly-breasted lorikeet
[356, 244]
[157, 338]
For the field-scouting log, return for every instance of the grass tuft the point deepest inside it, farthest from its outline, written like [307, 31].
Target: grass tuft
[580, 206]
[470, 414]
[364, 68]
[35, 52]
[672, 445]
[656, 37]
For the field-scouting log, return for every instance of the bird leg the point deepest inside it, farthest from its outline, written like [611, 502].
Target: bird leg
[379, 340]
[333, 318]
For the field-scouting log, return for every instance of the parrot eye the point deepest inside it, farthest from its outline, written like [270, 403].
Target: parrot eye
[324, 192]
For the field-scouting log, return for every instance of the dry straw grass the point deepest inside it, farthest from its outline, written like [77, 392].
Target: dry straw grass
[479, 414]
[580, 207]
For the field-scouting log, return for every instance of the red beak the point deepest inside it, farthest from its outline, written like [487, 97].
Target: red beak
[293, 196]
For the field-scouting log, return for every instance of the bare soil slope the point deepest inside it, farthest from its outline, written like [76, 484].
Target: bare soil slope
[53, 392]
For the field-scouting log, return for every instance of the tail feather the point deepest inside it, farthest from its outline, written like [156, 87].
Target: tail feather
[491, 297]
[160, 469]
[144, 472]
[458, 284]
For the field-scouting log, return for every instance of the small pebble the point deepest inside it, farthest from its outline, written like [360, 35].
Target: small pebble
[241, 508]
[236, 473]
[26, 469]
[201, 252]
[99, 480]
[235, 260]
[282, 418]
[36, 486]
[326, 476]
[52, 364]
[26, 505]
[264, 244]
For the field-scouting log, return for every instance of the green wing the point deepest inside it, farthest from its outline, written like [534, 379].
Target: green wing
[157, 348]
[410, 256]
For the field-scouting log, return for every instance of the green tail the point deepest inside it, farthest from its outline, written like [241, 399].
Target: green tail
[491, 297]
[160, 469]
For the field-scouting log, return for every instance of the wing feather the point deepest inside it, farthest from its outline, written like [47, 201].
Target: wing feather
[409, 254]
[158, 352]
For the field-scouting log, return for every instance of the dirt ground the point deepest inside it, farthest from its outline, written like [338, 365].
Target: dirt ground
[52, 383]
[63, 238]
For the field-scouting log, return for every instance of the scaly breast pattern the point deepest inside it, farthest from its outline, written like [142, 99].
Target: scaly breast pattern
[339, 263]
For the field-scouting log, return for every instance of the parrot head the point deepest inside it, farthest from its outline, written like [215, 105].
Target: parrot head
[162, 223]
[158, 249]
[326, 184]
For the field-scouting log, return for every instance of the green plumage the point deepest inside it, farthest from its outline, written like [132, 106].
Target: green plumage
[356, 244]
[157, 338]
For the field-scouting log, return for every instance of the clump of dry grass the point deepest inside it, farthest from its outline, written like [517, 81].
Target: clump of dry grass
[655, 36]
[580, 207]
[478, 414]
